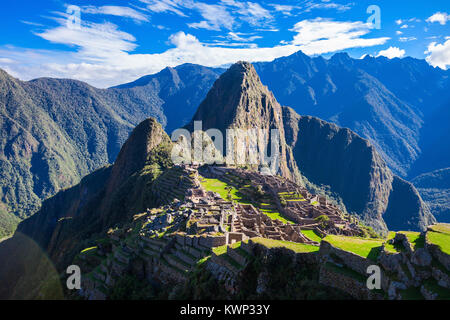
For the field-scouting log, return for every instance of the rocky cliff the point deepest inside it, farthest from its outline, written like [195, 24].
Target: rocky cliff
[329, 155]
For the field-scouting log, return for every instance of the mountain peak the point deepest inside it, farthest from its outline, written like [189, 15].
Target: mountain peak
[341, 57]
[242, 70]
[238, 94]
[148, 135]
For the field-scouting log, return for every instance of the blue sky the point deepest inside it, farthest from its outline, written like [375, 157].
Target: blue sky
[106, 43]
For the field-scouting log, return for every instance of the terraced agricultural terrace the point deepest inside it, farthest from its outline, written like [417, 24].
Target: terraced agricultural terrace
[221, 226]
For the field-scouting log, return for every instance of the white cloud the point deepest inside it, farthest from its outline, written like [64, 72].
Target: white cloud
[399, 21]
[326, 4]
[159, 6]
[94, 40]
[399, 32]
[321, 35]
[392, 52]
[6, 60]
[406, 39]
[284, 9]
[125, 12]
[102, 55]
[405, 26]
[237, 37]
[441, 17]
[251, 12]
[216, 16]
[32, 23]
[203, 25]
[439, 54]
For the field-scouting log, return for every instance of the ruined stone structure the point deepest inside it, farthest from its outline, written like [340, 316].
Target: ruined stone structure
[292, 201]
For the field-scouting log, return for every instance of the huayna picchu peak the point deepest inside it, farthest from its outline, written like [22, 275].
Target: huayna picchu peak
[151, 228]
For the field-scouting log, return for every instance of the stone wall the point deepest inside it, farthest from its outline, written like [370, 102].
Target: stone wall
[438, 254]
[351, 260]
[236, 256]
[351, 286]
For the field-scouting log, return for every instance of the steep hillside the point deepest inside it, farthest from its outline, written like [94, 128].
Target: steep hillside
[104, 198]
[434, 188]
[329, 155]
[363, 96]
[434, 135]
[55, 131]
[323, 153]
[179, 90]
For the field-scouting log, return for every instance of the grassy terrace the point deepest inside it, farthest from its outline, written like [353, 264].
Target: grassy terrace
[291, 196]
[223, 249]
[367, 248]
[392, 248]
[442, 240]
[220, 187]
[296, 247]
[442, 228]
[415, 239]
[312, 235]
[440, 236]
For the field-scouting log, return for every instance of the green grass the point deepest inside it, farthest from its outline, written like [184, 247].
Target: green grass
[442, 240]
[223, 249]
[272, 214]
[296, 247]
[220, 187]
[367, 248]
[415, 239]
[392, 248]
[442, 228]
[203, 260]
[312, 235]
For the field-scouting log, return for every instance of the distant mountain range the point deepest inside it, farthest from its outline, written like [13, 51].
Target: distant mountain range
[55, 131]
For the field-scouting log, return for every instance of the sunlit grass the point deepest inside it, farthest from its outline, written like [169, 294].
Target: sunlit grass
[294, 246]
[367, 248]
